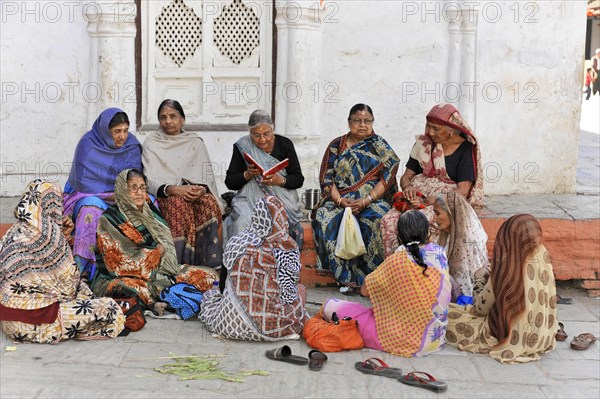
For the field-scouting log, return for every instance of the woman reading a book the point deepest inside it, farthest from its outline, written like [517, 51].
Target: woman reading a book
[263, 163]
[180, 175]
[358, 171]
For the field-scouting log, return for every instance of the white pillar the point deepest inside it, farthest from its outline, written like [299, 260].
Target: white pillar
[454, 46]
[462, 55]
[469, 65]
[111, 26]
[297, 104]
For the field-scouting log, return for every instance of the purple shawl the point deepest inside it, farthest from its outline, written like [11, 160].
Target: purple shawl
[97, 161]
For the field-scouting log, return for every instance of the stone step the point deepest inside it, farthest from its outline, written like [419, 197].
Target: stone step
[574, 247]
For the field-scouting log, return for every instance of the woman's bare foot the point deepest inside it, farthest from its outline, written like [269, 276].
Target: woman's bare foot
[159, 308]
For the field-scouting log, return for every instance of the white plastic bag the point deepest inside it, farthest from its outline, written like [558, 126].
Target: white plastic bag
[349, 243]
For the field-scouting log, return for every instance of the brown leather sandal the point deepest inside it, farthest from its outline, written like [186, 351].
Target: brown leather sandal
[583, 341]
[561, 335]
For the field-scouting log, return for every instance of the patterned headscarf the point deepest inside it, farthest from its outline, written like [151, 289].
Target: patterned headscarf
[268, 226]
[36, 265]
[517, 239]
[260, 300]
[431, 156]
[160, 232]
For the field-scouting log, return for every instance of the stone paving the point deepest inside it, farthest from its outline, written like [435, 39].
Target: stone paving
[123, 367]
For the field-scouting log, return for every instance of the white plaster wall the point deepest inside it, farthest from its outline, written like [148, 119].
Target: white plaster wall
[44, 54]
[529, 137]
[374, 53]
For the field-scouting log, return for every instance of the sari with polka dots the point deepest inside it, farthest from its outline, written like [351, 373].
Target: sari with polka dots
[514, 317]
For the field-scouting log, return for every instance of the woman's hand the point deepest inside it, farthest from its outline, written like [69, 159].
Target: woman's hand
[189, 193]
[417, 201]
[410, 193]
[273, 180]
[252, 172]
[344, 202]
[67, 226]
[358, 205]
[161, 250]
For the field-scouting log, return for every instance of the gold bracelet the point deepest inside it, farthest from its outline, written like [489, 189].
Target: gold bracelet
[283, 182]
[370, 198]
[339, 201]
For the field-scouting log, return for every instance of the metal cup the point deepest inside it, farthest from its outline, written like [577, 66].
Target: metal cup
[310, 198]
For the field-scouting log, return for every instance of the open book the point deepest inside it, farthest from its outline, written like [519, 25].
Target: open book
[280, 166]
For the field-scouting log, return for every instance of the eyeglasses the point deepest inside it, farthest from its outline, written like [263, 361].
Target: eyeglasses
[135, 189]
[261, 136]
[367, 122]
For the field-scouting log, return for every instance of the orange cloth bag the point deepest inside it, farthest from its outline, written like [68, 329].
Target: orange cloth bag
[329, 336]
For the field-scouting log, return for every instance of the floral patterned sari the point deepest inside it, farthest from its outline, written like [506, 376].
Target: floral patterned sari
[42, 297]
[355, 171]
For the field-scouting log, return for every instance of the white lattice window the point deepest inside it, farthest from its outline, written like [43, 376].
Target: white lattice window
[178, 31]
[213, 56]
[237, 31]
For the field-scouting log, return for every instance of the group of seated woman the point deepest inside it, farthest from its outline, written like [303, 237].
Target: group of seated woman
[359, 171]
[514, 316]
[131, 243]
[181, 182]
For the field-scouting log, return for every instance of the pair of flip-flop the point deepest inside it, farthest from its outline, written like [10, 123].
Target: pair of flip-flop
[418, 379]
[316, 359]
[580, 342]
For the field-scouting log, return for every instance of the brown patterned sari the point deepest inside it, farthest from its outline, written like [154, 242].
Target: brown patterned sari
[262, 300]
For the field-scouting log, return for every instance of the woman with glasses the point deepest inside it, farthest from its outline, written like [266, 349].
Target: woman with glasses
[180, 175]
[135, 251]
[444, 158]
[101, 154]
[358, 171]
[267, 149]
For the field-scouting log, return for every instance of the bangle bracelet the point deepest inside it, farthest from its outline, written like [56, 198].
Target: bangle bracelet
[370, 198]
[283, 182]
[339, 201]
[363, 203]
[165, 190]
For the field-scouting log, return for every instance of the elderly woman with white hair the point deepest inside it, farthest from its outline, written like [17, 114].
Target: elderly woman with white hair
[263, 149]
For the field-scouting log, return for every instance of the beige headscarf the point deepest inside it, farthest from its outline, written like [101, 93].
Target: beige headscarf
[169, 159]
[466, 241]
[160, 232]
